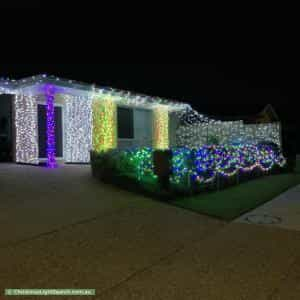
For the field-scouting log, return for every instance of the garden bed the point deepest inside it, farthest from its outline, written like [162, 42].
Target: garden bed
[221, 181]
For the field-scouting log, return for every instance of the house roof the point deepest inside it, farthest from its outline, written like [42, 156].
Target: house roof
[69, 86]
[33, 83]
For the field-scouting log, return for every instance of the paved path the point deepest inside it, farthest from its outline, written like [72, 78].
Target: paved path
[62, 229]
[283, 211]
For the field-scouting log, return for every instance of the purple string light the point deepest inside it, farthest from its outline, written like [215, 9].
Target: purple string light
[49, 93]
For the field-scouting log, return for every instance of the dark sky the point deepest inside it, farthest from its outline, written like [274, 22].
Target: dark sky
[215, 89]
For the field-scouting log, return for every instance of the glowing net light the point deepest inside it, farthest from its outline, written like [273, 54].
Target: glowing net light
[161, 127]
[25, 107]
[50, 114]
[78, 128]
[104, 124]
[196, 130]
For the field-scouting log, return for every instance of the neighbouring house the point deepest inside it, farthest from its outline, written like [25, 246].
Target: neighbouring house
[266, 115]
[56, 119]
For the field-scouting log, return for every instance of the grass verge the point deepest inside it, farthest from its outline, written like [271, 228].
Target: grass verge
[230, 203]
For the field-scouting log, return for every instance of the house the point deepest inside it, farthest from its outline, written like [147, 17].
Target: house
[59, 120]
[54, 120]
[266, 115]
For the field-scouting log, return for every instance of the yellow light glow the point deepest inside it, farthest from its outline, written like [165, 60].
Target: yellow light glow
[104, 124]
[161, 127]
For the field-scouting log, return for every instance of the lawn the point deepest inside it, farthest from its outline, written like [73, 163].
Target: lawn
[230, 203]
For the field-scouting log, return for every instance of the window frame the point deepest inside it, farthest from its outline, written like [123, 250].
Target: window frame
[133, 133]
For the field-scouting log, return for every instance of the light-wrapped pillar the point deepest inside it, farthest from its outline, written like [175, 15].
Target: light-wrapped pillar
[50, 129]
[161, 127]
[78, 129]
[26, 129]
[104, 124]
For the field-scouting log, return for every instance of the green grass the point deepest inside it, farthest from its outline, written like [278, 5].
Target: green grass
[230, 203]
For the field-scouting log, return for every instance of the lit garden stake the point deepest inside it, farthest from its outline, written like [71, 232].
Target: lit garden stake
[49, 93]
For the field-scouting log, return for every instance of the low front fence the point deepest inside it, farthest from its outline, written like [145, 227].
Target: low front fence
[192, 170]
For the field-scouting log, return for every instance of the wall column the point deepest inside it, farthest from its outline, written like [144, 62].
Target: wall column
[26, 129]
[78, 128]
[104, 124]
[50, 129]
[161, 127]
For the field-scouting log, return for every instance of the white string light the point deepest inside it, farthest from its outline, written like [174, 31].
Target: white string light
[125, 97]
[197, 130]
[78, 128]
[26, 129]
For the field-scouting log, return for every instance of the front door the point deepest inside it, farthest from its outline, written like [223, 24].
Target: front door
[42, 125]
[6, 132]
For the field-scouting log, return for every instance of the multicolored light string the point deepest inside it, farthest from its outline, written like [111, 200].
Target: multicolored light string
[205, 163]
[201, 165]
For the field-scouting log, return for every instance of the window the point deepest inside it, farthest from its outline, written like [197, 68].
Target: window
[125, 123]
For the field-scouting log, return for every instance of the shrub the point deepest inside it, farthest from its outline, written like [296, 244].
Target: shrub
[103, 164]
[193, 170]
[131, 169]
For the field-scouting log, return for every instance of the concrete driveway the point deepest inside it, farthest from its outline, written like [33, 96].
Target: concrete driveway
[59, 227]
[37, 201]
[63, 229]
